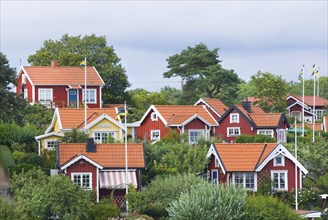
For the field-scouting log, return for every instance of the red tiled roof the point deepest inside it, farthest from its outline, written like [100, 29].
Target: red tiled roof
[317, 126]
[178, 114]
[243, 156]
[107, 155]
[308, 100]
[74, 117]
[74, 76]
[266, 119]
[217, 105]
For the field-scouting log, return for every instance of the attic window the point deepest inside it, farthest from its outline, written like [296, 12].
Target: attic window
[234, 118]
[154, 116]
[217, 163]
[279, 161]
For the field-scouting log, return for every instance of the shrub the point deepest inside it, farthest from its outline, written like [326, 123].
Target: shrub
[6, 209]
[267, 208]
[20, 168]
[207, 201]
[6, 160]
[259, 138]
[17, 155]
[32, 159]
[104, 210]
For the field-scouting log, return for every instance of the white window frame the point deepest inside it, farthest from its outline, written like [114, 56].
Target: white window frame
[279, 172]
[215, 181]
[197, 137]
[154, 116]
[243, 184]
[233, 119]
[152, 132]
[50, 141]
[268, 132]
[112, 133]
[318, 113]
[26, 94]
[276, 164]
[81, 181]
[217, 164]
[45, 90]
[234, 131]
[281, 138]
[88, 96]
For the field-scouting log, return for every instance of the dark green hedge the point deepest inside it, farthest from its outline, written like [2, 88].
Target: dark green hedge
[6, 159]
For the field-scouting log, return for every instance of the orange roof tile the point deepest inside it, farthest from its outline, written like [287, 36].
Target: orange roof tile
[243, 156]
[47, 75]
[266, 119]
[107, 155]
[177, 114]
[74, 117]
[317, 126]
[217, 105]
[308, 100]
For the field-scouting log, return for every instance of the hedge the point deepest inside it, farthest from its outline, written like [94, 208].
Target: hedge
[6, 159]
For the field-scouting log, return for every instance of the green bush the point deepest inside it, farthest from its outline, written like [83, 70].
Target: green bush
[259, 138]
[245, 139]
[20, 168]
[7, 211]
[207, 201]
[6, 160]
[17, 155]
[32, 159]
[103, 211]
[267, 208]
[154, 211]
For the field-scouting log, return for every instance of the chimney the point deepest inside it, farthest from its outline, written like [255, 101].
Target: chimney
[91, 147]
[247, 105]
[54, 63]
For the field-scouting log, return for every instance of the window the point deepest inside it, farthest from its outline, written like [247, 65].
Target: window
[25, 94]
[102, 136]
[233, 132]
[215, 177]
[91, 96]
[84, 180]
[281, 138]
[217, 164]
[51, 144]
[155, 135]
[245, 180]
[234, 118]
[45, 95]
[154, 116]
[318, 113]
[194, 135]
[265, 132]
[279, 161]
[279, 179]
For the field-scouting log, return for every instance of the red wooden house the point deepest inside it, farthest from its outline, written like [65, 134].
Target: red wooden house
[295, 104]
[247, 119]
[195, 121]
[248, 165]
[101, 167]
[60, 86]
[214, 106]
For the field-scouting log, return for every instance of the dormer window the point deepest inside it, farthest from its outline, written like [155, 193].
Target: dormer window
[234, 118]
[279, 161]
[154, 116]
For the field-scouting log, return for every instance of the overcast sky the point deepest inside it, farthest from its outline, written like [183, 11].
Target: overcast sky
[274, 36]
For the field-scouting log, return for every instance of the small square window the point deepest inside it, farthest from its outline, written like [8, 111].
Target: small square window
[154, 116]
[279, 161]
[234, 118]
[155, 135]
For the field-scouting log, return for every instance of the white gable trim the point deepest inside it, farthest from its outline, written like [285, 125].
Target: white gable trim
[152, 107]
[104, 116]
[203, 101]
[300, 104]
[52, 124]
[212, 151]
[48, 135]
[99, 76]
[280, 150]
[71, 162]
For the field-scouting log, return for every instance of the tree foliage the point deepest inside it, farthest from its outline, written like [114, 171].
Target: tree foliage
[71, 50]
[296, 88]
[203, 75]
[75, 136]
[207, 201]
[271, 91]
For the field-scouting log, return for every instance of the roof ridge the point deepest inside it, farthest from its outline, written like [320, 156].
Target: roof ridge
[265, 146]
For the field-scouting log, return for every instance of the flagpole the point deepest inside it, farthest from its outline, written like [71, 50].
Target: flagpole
[85, 94]
[313, 103]
[296, 176]
[126, 159]
[303, 103]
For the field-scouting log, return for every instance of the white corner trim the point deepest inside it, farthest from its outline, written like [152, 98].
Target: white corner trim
[212, 151]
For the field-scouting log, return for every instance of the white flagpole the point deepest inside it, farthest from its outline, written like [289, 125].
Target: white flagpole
[85, 94]
[126, 159]
[313, 105]
[303, 79]
[296, 175]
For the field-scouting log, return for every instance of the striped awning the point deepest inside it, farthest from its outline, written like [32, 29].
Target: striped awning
[116, 179]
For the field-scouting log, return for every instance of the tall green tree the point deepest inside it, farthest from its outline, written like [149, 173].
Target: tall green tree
[203, 75]
[11, 105]
[271, 91]
[296, 87]
[71, 50]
